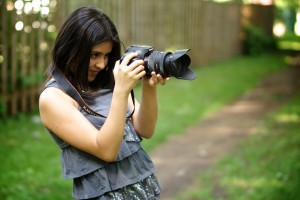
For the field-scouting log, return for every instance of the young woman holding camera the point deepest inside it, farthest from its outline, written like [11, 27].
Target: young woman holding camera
[101, 153]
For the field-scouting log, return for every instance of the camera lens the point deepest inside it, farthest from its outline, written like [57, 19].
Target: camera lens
[164, 63]
[168, 64]
[176, 67]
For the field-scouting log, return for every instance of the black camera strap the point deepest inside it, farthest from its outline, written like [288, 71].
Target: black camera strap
[69, 89]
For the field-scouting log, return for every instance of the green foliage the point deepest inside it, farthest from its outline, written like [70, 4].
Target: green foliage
[287, 3]
[257, 42]
[290, 37]
[289, 41]
[51, 36]
[265, 166]
[3, 106]
[35, 79]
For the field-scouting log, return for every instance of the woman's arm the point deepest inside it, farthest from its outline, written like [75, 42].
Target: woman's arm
[60, 114]
[146, 114]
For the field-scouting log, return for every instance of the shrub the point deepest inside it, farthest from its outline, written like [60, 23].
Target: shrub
[256, 41]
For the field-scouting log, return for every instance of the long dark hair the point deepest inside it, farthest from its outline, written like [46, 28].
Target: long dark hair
[83, 29]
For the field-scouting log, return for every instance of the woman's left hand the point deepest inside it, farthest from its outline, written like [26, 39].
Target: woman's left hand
[155, 79]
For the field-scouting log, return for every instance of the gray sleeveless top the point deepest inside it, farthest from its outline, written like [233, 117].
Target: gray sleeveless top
[92, 176]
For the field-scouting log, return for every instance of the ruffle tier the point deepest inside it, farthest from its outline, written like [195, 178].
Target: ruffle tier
[77, 163]
[115, 175]
[147, 189]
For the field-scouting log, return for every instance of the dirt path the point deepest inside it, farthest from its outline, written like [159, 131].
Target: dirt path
[182, 157]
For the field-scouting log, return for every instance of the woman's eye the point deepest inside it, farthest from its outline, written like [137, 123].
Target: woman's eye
[94, 55]
[98, 55]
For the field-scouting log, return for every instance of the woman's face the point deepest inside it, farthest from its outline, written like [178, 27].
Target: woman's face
[99, 59]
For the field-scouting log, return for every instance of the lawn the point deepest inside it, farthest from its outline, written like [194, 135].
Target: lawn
[183, 103]
[267, 169]
[30, 164]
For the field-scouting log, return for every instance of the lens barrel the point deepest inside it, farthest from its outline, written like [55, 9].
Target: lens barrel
[166, 64]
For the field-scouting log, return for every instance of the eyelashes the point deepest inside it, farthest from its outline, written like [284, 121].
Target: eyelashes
[97, 55]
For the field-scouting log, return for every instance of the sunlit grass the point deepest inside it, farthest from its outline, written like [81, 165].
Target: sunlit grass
[30, 164]
[183, 103]
[265, 166]
[291, 45]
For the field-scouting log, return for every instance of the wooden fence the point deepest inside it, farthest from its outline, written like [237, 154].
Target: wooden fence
[260, 16]
[210, 30]
[26, 36]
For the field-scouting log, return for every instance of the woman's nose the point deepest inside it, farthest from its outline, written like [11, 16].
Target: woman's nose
[100, 63]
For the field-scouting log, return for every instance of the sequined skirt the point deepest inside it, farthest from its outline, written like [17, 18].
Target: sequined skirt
[147, 189]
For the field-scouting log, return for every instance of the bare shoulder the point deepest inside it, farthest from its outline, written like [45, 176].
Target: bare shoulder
[54, 96]
[55, 105]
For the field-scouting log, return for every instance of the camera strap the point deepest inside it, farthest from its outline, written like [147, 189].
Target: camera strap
[69, 89]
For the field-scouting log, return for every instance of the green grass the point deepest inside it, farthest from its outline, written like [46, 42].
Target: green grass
[30, 164]
[183, 103]
[265, 167]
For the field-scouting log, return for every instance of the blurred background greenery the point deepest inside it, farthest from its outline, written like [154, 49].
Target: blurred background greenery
[234, 44]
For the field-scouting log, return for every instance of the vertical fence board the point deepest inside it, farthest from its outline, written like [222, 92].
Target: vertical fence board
[33, 60]
[23, 72]
[261, 16]
[4, 53]
[123, 21]
[13, 72]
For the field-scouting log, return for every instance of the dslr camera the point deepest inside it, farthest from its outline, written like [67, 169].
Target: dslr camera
[166, 64]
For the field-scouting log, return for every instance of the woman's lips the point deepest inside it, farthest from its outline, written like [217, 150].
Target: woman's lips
[94, 72]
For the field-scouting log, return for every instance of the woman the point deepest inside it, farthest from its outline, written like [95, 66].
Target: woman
[102, 154]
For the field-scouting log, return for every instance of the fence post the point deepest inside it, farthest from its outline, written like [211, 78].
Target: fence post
[3, 59]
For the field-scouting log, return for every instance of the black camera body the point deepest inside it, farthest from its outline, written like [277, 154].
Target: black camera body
[166, 64]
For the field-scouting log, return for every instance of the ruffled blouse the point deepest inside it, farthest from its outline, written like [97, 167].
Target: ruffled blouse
[92, 176]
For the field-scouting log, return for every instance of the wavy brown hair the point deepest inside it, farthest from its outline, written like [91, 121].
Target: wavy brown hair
[82, 30]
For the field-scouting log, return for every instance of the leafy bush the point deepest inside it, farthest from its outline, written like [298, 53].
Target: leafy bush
[257, 41]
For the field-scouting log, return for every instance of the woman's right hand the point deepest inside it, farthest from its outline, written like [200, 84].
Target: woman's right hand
[127, 76]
